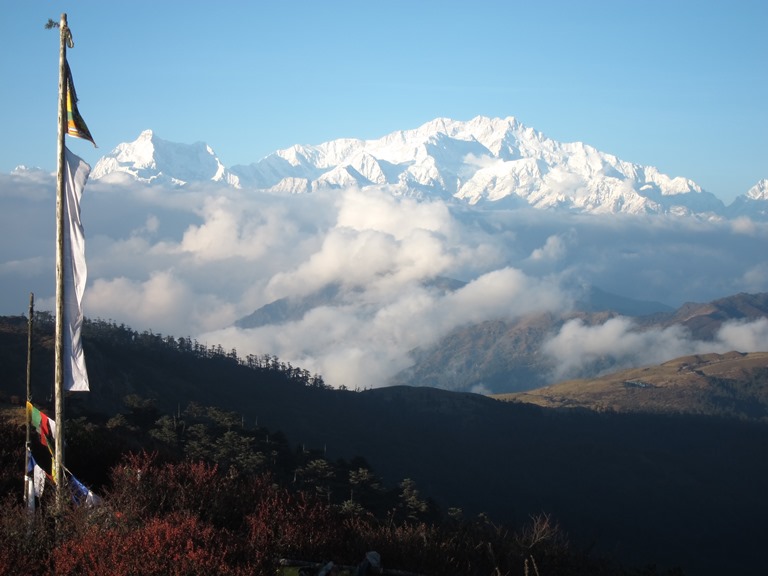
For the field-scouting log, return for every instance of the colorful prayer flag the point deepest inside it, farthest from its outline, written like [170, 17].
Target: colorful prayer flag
[44, 425]
[75, 124]
[75, 274]
[81, 494]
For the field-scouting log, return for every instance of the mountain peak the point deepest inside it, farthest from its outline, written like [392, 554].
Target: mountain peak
[152, 159]
[759, 191]
[753, 204]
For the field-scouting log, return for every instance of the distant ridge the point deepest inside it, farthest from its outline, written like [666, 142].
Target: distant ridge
[703, 320]
[733, 384]
[487, 162]
[506, 356]
[596, 300]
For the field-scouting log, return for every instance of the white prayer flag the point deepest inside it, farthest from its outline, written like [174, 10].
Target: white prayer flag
[34, 482]
[75, 273]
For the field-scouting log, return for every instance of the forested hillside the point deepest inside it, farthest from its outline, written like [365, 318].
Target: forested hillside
[396, 463]
[199, 491]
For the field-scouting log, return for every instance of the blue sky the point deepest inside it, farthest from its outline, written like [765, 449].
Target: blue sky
[680, 85]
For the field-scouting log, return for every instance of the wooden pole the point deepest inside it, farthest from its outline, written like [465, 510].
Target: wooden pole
[29, 498]
[30, 326]
[58, 467]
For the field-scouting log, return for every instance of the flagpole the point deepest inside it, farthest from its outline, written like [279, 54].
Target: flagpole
[29, 498]
[58, 466]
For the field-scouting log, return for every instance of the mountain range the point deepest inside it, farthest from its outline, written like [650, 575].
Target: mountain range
[484, 162]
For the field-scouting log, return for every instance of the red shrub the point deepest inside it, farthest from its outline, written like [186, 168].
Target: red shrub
[178, 545]
[293, 524]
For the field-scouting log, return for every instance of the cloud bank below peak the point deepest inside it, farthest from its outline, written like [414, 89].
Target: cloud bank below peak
[192, 259]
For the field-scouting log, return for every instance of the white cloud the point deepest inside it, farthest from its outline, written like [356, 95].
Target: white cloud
[755, 278]
[377, 210]
[162, 303]
[744, 225]
[481, 389]
[236, 225]
[744, 336]
[191, 261]
[555, 248]
[372, 335]
[483, 161]
[378, 242]
[616, 344]
[505, 293]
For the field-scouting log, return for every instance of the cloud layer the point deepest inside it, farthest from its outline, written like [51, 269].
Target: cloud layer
[191, 261]
[577, 348]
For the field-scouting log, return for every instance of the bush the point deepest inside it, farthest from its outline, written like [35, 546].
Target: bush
[176, 545]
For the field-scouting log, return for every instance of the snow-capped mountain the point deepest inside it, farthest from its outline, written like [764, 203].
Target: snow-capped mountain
[754, 203]
[484, 161]
[759, 191]
[151, 159]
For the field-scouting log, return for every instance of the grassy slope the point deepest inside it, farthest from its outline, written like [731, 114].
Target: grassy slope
[732, 384]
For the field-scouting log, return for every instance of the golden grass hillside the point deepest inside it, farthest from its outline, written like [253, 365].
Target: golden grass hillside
[733, 384]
